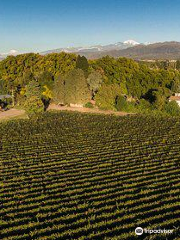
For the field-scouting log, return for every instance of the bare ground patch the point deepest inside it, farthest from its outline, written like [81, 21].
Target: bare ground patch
[86, 110]
[12, 113]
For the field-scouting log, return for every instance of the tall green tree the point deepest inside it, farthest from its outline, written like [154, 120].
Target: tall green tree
[76, 88]
[46, 83]
[59, 90]
[82, 63]
[33, 103]
[107, 95]
[33, 89]
[94, 81]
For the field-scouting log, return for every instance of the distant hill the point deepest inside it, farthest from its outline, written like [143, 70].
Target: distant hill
[130, 49]
[95, 49]
[165, 50]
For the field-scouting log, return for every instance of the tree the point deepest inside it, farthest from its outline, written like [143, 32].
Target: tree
[160, 100]
[172, 108]
[107, 95]
[94, 81]
[33, 105]
[76, 88]
[32, 89]
[3, 87]
[11, 86]
[121, 104]
[27, 77]
[18, 69]
[59, 90]
[82, 63]
[46, 82]
[117, 71]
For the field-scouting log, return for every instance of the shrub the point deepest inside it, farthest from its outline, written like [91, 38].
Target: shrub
[159, 102]
[131, 107]
[121, 103]
[172, 108]
[144, 106]
[33, 105]
[107, 95]
[89, 105]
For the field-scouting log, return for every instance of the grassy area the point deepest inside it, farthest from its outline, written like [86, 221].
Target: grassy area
[69, 175]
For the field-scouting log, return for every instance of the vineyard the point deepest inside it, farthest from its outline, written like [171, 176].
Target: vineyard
[79, 176]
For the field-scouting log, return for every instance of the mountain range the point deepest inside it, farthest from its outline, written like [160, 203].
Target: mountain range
[155, 51]
[95, 48]
[129, 49]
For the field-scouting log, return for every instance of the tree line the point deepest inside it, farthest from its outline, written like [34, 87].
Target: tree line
[113, 83]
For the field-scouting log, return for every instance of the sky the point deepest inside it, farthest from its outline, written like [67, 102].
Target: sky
[40, 25]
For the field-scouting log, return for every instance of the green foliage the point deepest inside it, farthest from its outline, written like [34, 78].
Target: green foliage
[135, 79]
[89, 105]
[59, 90]
[3, 88]
[94, 81]
[159, 100]
[117, 71]
[172, 108]
[33, 103]
[33, 106]
[32, 89]
[82, 63]
[121, 103]
[27, 77]
[46, 82]
[18, 71]
[143, 105]
[72, 88]
[107, 95]
[76, 88]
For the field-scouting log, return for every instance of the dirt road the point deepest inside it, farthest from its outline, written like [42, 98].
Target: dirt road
[12, 113]
[85, 110]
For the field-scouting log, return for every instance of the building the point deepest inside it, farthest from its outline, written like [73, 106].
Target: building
[175, 98]
[6, 96]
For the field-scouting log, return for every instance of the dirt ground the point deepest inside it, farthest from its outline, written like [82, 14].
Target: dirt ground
[85, 110]
[17, 113]
[12, 113]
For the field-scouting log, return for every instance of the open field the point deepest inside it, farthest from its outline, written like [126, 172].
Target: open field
[78, 176]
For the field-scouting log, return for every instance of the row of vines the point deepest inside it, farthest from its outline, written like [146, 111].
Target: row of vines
[79, 176]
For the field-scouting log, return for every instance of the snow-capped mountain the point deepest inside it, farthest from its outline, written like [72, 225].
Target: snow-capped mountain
[131, 42]
[11, 52]
[96, 48]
